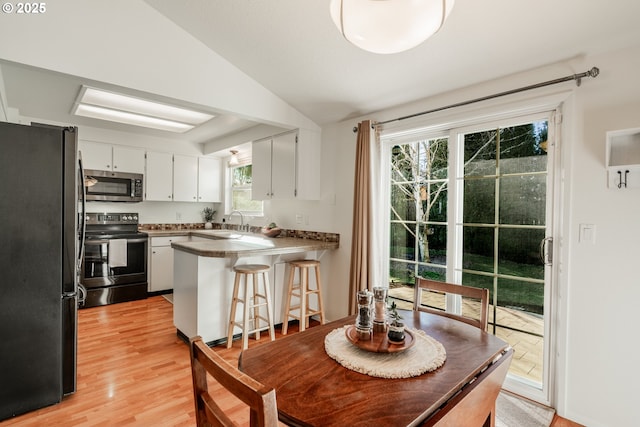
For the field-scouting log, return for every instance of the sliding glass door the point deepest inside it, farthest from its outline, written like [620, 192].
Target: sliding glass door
[474, 207]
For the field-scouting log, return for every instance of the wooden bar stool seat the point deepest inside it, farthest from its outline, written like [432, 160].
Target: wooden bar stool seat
[302, 290]
[252, 298]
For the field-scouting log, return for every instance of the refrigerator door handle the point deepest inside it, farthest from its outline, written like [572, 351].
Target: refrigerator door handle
[83, 214]
[82, 295]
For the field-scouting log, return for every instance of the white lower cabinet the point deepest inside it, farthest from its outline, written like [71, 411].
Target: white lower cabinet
[161, 262]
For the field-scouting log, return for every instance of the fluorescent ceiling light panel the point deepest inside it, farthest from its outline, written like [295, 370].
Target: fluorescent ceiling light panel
[130, 118]
[116, 107]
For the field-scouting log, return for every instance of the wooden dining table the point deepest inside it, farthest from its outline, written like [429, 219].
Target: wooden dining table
[312, 389]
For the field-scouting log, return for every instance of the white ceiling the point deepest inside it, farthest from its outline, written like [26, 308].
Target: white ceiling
[293, 49]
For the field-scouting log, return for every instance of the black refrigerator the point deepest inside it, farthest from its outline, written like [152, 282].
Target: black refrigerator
[40, 251]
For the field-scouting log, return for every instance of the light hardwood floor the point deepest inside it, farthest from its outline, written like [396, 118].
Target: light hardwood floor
[134, 370]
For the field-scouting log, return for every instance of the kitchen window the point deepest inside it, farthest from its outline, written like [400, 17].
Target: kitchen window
[241, 178]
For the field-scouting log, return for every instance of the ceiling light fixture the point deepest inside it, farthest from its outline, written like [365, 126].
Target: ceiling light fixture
[233, 160]
[389, 26]
[115, 107]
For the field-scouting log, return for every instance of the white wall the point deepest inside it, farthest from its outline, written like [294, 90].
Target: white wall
[158, 58]
[603, 291]
[598, 288]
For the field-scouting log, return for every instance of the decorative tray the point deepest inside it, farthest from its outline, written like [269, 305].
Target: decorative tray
[379, 343]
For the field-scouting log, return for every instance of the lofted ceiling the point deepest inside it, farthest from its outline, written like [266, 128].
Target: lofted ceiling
[292, 48]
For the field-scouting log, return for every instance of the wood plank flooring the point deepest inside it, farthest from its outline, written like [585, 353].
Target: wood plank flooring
[134, 371]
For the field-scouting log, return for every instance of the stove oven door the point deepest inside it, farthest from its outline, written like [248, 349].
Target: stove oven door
[97, 268]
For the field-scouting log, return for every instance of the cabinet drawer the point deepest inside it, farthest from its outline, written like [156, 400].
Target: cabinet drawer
[167, 240]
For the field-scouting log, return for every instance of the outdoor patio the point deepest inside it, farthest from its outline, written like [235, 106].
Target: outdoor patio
[528, 349]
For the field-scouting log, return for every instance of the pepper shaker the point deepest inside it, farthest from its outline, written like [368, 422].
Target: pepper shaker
[364, 320]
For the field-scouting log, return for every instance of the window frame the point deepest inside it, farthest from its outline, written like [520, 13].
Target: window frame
[231, 188]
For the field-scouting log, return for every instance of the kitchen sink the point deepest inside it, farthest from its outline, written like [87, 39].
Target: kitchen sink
[221, 234]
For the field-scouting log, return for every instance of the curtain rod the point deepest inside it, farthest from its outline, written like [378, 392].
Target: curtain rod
[593, 72]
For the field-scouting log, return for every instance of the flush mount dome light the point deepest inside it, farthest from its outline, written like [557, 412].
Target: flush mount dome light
[389, 26]
[116, 107]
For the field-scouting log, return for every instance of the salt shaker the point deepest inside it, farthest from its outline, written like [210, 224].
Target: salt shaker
[380, 298]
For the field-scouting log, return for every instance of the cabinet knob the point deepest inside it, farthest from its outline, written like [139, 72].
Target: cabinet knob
[115, 167]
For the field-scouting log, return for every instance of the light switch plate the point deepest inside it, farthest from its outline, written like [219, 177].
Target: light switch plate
[587, 233]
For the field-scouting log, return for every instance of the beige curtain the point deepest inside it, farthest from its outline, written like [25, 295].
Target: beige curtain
[361, 244]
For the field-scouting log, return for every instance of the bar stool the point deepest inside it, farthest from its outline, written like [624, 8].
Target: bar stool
[302, 291]
[252, 299]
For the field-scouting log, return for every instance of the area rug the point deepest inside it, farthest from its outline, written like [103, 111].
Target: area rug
[512, 411]
[168, 297]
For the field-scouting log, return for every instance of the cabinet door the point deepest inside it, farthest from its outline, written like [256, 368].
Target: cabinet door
[185, 178]
[283, 166]
[159, 176]
[308, 156]
[261, 170]
[161, 268]
[95, 155]
[129, 160]
[209, 179]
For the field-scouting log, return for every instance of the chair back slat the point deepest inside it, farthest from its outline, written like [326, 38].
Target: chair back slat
[261, 400]
[480, 294]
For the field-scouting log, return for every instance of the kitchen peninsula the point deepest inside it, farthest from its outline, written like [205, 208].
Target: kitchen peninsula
[203, 275]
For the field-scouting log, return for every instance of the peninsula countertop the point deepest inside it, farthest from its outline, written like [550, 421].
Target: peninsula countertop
[226, 243]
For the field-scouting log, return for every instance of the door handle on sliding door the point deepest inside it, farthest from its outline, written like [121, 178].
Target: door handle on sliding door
[546, 250]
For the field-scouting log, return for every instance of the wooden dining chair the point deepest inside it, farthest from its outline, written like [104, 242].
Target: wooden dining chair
[260, 399]
[480, 294]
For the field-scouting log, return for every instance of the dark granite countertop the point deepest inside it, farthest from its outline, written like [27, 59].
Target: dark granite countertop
[226, 243]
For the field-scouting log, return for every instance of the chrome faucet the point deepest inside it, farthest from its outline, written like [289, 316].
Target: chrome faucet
[241, 219]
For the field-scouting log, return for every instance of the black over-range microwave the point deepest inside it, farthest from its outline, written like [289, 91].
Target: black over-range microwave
[107, 186]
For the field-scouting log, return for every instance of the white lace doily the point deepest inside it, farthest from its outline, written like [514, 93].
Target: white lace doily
[425, 355]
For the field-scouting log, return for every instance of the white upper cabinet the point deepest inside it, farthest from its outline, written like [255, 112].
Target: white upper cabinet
[180, 178]
[96, 156]
[116, 158]
[209, 179]
[286, 166]
[159, 176]
[185, 178]
[308, 156]
[261, 169]
[128, 160]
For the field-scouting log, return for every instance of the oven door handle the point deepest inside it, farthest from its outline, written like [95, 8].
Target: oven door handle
[99, 242]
